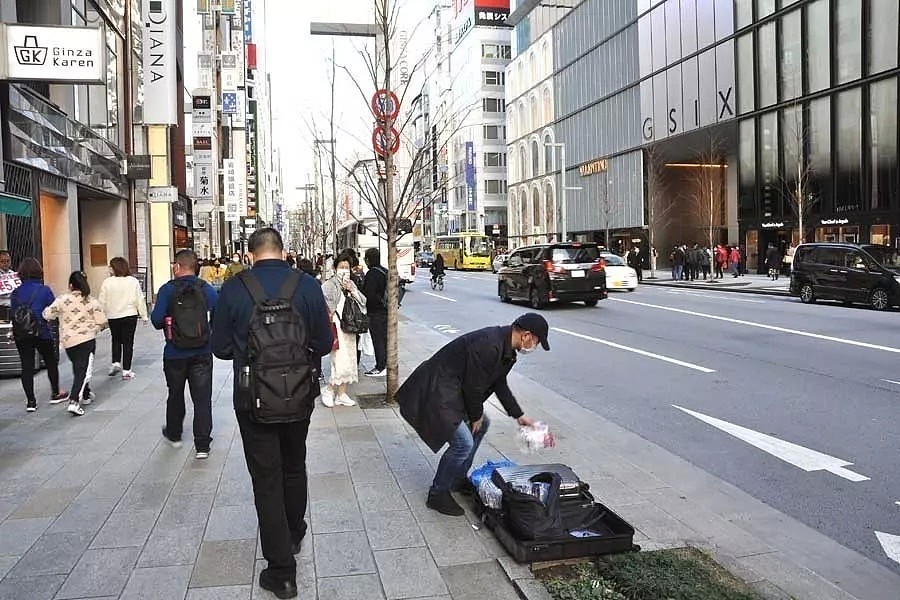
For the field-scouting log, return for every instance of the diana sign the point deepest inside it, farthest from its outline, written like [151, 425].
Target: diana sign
[57, 54]
[160, 88]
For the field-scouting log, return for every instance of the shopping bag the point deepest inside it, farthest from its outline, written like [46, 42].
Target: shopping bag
[365, 344]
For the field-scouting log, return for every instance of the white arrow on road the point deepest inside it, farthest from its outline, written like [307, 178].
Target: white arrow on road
[804, 458]
[890, 544]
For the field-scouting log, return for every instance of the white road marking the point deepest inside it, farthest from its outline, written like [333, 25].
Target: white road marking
[438, 296]
[667, 359]
[891, 381]
[897, 503]
[818, 336]
[890, 544]
[446, 329]
[702, 295]
[803, 458]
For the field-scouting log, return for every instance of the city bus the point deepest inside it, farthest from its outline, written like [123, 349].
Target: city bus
[464, 251]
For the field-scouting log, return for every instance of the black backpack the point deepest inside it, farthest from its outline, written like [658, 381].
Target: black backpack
[190, 316]
[24, 325]
[281, 374]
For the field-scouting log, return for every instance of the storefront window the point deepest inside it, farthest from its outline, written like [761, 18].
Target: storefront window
[768, 65]
[883, 119]
[768, 163]
[818, 45]
[791, 62]
[747, 164]
[746, 80]
[883, 18]
[848, 25]
[880, 235]
[848, 151]
[819, 159]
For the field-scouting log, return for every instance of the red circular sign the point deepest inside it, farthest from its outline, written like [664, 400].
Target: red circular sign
[385, 105]
[383, 146]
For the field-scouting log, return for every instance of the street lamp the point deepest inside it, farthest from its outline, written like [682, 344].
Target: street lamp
[564, 235]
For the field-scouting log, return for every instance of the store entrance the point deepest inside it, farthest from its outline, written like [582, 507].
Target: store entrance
[781, 238]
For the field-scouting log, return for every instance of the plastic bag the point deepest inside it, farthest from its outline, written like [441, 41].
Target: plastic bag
[490, 494]
[534, 438]
[487, 469]
[365, 344]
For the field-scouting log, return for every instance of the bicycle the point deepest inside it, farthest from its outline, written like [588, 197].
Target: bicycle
[437, 282]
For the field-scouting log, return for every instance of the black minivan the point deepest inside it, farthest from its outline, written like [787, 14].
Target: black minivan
[548, 273]
[848, 272]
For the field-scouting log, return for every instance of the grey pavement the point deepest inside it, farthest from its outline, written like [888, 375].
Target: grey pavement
[748, 284]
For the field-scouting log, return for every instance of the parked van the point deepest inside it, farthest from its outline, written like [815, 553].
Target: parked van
[850, 273]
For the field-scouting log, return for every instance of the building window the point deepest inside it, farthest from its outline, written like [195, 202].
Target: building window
[791, 62]
[746, 80]
[747, 157]
[883, 117]
[494, 105]
[548, 155]
[818, 45]
[768, 65]
[848, 150]
[848, 25]
[819, 159]
[883, 18]
[494, 77]
[764, 8]
[495, 159]
[494, 132]
[501, 51]
[535, 159]
[768, 163]
[793, 140]
[743, 13]
[495, 186]
[548, 106]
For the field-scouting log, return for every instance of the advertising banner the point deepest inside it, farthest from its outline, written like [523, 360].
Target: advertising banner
[165, 194]
[160, 88]
[202, 113]
[9, 282]
[232, 192]
[239, 116]
[248, 21]
[491, 13]
[204, 172]
[230, 73]
[58, 54]
[206, 75]
[470, 177]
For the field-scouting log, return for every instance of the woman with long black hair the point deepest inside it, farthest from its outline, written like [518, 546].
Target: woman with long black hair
[80, 320]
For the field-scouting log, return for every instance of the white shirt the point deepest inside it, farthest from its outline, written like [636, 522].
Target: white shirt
[122, 297]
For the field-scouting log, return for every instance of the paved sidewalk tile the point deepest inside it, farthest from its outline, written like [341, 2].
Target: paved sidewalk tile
[231, 523]
[224, 563]
[453, 543]
[393, 530]
[355, 587]
[38, 587]
[170, 546]
[233, 592]
[53, 553]
[409, 573]
[479, 581]
[125, 528]
[46, 502]
[157, 583]
[17, 535]
[338, 554]
[102, 572]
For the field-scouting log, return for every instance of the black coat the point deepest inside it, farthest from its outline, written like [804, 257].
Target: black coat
[452, 386]
[773, 258]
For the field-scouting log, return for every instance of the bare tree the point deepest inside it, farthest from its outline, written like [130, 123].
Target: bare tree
[797, 168]
[659, 204]
[606, 206]
[707, 200]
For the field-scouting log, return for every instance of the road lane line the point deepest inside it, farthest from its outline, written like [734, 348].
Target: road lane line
[891, 381]
[818, 336]
[438, 296]
[680, 293]
[667, 359]
[794, 454]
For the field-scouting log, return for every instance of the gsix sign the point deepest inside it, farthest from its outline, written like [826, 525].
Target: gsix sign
[58, 54]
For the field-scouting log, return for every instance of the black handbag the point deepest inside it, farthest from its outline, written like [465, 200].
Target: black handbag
[353, 319]
[529, 518]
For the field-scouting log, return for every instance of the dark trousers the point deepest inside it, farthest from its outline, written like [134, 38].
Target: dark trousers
[720, 270]
[276, 459]
[82, 359]
[122, 331]
[47, 350]
[378, 329]
[196, 371]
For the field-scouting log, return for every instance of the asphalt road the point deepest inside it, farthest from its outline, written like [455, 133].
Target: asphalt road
[819, 377]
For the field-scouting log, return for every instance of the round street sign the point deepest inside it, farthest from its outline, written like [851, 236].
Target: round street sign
[385, 105]
[383, 146]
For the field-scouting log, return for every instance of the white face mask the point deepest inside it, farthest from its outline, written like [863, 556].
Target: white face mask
[343, 273]
[235, 259]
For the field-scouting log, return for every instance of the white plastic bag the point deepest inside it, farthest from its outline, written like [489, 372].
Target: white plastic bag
[535, 438]
[365, 344]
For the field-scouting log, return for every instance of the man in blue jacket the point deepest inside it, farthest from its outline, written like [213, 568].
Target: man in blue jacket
[275, 452]
[186, 362]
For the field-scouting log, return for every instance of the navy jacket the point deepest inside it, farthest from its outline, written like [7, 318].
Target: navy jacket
[231, 321]
[161, 311]
[43, 297]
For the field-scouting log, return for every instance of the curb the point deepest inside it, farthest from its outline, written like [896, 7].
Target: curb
[702, 286]
[523, 580]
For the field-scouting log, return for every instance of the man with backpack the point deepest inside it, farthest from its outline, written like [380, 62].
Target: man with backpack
[375, 291]
[182, 310]
[272, 322]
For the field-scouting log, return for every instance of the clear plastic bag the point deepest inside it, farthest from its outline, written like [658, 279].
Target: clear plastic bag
[534, 438]
[490, 494]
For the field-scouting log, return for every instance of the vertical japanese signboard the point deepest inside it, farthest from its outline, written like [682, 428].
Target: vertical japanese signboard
[470, 177]
[204, 173]
[232, 193]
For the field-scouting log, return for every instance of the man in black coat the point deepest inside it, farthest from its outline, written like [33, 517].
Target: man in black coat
[373, 289]
[444, 398]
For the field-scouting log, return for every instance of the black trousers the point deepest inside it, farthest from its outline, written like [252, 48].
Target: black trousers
[47, 350]
[378, 329]
[276, 459]
[82, 359]
[122, 331]
[196, 371]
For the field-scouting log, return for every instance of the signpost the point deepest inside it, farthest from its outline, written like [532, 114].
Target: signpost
[385, 105]
[384, 145]
[57, 54]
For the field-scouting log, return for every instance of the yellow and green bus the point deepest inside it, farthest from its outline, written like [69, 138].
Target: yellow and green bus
[464, 251]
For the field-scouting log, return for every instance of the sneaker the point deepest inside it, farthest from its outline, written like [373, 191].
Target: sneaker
[202, 454]
[115, 369]
[173, 443]
[344, 400]
[444, 503]
[376, 373]
[31, 405]
[75, 408]
[127, 375]
[88, 398]
[327, 397]
[282, 588]
[60, 397]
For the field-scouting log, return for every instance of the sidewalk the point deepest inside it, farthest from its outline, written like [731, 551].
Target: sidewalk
[747, 284]
[98, 507]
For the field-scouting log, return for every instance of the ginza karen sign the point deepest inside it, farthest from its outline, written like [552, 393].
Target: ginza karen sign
[57, 54]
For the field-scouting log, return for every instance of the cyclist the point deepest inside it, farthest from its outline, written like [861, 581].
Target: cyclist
[437, 269]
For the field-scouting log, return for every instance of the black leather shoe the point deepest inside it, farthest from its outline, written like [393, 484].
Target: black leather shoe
[281, 588]
[444, 503]
[463, 486]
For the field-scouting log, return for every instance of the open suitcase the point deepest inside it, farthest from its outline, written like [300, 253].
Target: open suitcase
[607, 532]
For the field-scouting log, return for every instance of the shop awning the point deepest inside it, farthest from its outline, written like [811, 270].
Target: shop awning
[14, 205]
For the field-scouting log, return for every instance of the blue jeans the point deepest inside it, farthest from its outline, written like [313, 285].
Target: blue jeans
[679, 272]
[457, 459]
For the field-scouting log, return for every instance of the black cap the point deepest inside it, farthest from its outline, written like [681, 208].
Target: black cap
[535, 324]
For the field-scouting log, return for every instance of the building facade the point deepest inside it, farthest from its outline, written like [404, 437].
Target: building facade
[675, 113]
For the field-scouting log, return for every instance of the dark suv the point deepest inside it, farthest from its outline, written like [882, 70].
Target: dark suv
[847, 272]
[567, 272]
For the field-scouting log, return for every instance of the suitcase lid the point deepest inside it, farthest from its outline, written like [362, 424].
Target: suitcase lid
[522, 473]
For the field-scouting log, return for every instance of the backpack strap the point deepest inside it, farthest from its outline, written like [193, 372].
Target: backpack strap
[253, 286]
[290, 285]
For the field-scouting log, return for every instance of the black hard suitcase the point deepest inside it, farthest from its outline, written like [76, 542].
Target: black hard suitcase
[616, 535]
